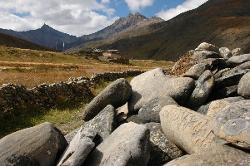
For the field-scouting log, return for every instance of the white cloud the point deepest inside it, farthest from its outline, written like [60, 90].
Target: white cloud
[136, 5]
[105, 1]
[75, 17]
[185, 6]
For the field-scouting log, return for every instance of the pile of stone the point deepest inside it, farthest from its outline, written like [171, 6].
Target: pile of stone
[199, 118]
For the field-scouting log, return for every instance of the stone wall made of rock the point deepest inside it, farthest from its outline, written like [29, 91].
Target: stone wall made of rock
[111, 76]
[16, 98]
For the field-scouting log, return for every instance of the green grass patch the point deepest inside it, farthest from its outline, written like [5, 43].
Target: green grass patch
[65, 119]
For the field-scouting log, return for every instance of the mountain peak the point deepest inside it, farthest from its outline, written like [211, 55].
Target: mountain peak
[46, 27]
[137, 15]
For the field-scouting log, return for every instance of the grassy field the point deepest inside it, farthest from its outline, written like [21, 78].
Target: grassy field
[31, 68]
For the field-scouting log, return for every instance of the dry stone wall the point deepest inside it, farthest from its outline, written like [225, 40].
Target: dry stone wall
[111, 76]
[15, 99]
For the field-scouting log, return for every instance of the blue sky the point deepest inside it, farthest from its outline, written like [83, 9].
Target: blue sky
[122, 9]
[80, 17]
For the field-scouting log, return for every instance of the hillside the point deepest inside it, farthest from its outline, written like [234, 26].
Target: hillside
[130, 26]
[10, 41]
[44, 36]
[228, 27]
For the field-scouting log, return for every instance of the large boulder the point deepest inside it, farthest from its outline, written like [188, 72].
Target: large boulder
[225, 52]
[155, 83]
[244, 86]
[187, 129]
[233, 124]
[127, 145]
[236, 60]
[204, 46]
[150, 111]
[78, 149]
[116, 94]
[214, 157]
[162, 150]
[202, 90]
[40, 145]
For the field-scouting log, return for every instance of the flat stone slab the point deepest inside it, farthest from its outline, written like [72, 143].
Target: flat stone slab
[214, 157]
[233, 124]
[189, 130]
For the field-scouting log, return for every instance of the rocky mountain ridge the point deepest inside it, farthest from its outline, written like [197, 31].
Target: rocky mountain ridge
[49, 37]
[222, 22]
[10, 41]
[45, 36]
[118, 28]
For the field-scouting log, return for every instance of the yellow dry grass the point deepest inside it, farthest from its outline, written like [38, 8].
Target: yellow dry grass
[31, 68]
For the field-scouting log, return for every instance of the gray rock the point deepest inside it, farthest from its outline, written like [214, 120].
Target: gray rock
[127, 145]
[237, 51]
[236, 60]
[155, 83]
[71, 135]
[103, 124]
[39, 145]
[150, 111]
[135, 119]
[116, 94]
[211, 105]
[187, 129]
[233, 124]
[227, 84]
[197, 70]
[225, 52]
[201, 55]
[162, 150]
[78, 149]
[244, 86]
[244, 66]
[214, 157]
[230, 77]
[207, 47]
[202, 90]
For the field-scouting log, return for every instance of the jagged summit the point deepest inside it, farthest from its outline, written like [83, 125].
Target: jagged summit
[46, 27]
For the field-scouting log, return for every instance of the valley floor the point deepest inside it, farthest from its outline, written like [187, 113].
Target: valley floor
[31, 68]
